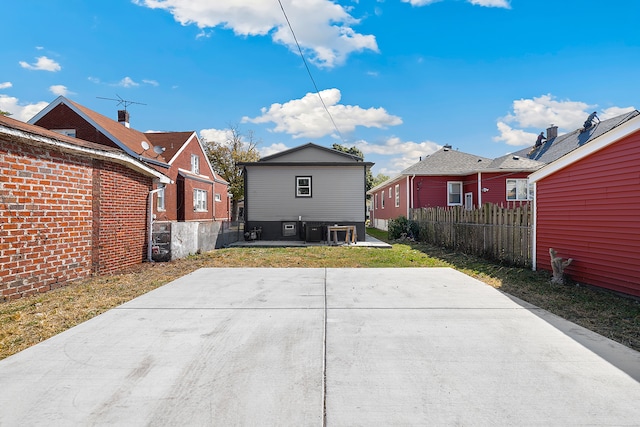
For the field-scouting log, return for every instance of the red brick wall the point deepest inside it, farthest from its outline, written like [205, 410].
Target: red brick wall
[63, 117]
[47, 222]
[122, 229]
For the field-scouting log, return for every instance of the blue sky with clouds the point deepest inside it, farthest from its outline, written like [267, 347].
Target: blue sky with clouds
[399, 78]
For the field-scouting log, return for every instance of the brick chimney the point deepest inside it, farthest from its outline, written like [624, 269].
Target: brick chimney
[552, 132]
[123, 118]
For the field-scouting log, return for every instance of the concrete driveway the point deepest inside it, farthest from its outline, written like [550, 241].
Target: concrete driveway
[304, 347]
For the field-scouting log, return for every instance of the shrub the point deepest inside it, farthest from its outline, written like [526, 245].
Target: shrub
[402, 227]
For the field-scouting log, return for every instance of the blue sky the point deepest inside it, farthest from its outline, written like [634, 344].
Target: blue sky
[400, 78]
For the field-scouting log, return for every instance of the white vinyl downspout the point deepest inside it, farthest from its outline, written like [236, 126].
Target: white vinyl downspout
[411, 193]
[150, 222]
[479, 189]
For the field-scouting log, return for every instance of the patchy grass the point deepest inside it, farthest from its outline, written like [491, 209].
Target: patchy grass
[27, 321]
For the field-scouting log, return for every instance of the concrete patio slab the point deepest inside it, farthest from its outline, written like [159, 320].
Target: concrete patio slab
[260, 347]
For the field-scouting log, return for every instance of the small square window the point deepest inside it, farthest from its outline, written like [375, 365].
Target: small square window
[218, 197]
[303, 186]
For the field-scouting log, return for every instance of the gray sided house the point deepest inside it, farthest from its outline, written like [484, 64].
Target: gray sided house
[295, 194]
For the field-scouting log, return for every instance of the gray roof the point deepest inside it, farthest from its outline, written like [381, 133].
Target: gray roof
[557, 147]
[447, 161]
[513, 162]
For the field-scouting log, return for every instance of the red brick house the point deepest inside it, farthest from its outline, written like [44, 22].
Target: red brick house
[196, 192]
[68, 209]
[452, 178]
[587, 205]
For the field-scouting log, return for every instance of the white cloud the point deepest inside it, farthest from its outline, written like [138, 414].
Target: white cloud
[420, 2]
[485, 3]
[322, 27]
[127, 82]
[216, 135]
[6, 85]
[402, 154]
[515, 137]
[43, 64]
[491, 3]
[272, 149]
[151, 82]
[59, 90]
[20, 112]
[611, 112]
[94, 80]
[539, 113]
[307, 118]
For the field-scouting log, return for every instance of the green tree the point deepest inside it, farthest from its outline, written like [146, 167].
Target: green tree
[379, 179]
[356, 152]
[4, 113]
[225, 156]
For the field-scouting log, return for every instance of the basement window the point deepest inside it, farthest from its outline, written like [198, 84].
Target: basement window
[199, 200]
[519, 190]
[454, 197]
[303, 186]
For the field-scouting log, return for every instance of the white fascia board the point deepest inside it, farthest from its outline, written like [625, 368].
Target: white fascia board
[580, 153]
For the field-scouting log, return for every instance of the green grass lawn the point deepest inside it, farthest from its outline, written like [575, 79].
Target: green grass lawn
[27, 321]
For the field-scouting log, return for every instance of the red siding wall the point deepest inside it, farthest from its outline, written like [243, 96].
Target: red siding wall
[390, 210]
[496, 183]
[48, 222]
[431, 191]
[590, 211]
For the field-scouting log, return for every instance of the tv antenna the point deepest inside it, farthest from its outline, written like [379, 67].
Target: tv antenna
[124, 102]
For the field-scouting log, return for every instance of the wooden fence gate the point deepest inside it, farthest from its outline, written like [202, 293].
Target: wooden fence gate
[492, 231]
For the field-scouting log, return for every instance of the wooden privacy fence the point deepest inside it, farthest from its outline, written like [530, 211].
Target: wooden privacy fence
[492, 231]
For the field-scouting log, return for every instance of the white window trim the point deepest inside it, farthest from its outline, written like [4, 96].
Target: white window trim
[382, 199]
[195, 164]
[199, 200]
[449, 185]
[397, 195]
[218, 197]
[300, 187]
[516, 181]
[160, 199]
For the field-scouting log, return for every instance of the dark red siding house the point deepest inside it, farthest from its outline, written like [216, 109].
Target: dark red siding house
[68, 209]
[452, 178]
[587, 206]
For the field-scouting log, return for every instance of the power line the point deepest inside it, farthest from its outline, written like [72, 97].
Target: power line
[309, 72]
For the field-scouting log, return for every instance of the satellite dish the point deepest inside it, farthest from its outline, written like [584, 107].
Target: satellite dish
[158, 150]
[145, 145]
